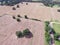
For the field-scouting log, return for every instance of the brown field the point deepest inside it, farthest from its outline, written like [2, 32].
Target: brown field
[32, 10]
[9, 26]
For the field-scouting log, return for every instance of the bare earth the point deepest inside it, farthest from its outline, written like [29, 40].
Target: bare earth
[9, 26]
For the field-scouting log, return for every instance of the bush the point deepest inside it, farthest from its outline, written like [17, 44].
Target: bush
[14, 8]
[18, 16]
[47, 37]
[18, 20]
[17, 6]
[19, 34]
[26, 32]
[47, 23]
[26, 3]
[47, 28]
[26, 17]
[14, 17]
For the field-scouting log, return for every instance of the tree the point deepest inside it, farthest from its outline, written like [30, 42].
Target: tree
[19, 34]
[26, 17]
[47, 23]
[26, 32]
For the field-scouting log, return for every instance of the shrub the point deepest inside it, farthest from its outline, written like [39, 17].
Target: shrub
[17, 6]
[18, 20]
[47, 37]
[14, 8]
[26, 17]
[47, 28]
[14, 17]
[18, 16]
[47, 23]
[26, 3]
[19, 34]
[26, 32]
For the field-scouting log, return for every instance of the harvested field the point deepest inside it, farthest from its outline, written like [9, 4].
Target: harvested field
[9, 26]
[55, 14]
[32, 10]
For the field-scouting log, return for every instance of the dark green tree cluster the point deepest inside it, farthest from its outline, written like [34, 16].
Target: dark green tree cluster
[47, 28]
[19, 34]
[25, 33]
[47, 35]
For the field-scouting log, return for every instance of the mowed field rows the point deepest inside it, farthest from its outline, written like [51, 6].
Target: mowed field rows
[9, 26]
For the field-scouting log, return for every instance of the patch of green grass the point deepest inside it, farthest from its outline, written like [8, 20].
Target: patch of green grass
[46, 43]
[57, 42]
[56, 27]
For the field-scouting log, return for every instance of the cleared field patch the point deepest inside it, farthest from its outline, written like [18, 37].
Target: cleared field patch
[56, 27]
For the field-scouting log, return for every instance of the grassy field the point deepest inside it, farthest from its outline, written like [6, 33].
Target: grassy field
[56, 27]
[46, 43]
[57, 30]
[57, 43]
